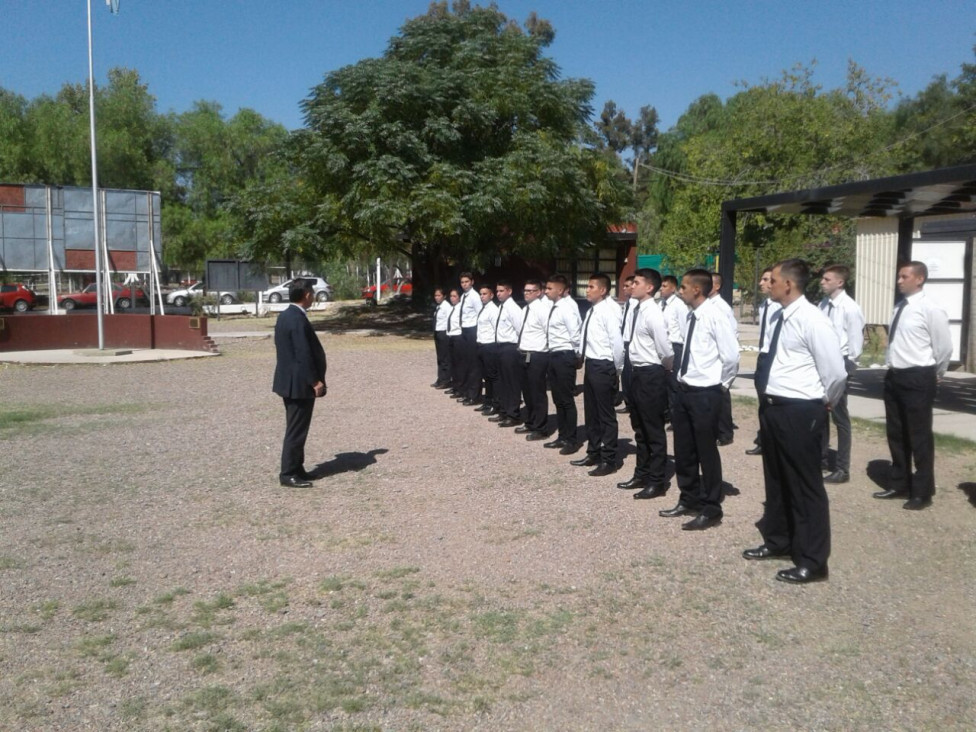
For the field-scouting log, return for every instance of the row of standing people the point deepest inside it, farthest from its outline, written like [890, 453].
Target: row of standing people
[681, 356]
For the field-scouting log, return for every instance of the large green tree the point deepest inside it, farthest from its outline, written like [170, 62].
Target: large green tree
[460, 144]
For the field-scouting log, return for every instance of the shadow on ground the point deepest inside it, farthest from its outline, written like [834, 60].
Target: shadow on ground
[396, 317]
[878, 472]
[970, 490]
[347, 462]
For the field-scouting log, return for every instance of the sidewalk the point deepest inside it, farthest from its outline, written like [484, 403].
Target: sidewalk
[95, 356]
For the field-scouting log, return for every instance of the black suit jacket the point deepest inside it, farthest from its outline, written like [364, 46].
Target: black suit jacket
[301, 358]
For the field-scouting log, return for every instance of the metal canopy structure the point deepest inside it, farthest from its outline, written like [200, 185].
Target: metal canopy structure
[903, 197]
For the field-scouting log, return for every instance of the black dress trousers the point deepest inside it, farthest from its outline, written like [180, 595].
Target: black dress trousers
[443, 350]
[796, 517]
[535, 365]
[599, 392]
[908, 397]
[488, 356]
[509, 380]
[456, 350]
[697, 464]
[562, 382]
[298, 418]
[471, 374]
[648, 400]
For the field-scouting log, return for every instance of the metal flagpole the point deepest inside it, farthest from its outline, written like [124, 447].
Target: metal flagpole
[96, 218]
[52, 288]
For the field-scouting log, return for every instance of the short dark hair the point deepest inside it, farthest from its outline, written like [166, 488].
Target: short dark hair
[298, 288]
[440, 290]
[670, 278]
[650, 275]
[797, 271]
[485, 286]
[455, 291]
[507, 284]
[919, 268]
[466, 274]
[840, 270]
[768, 269]
[603, 279]
[702, 278]
[538, 284]
[558, 279]
[629, 278]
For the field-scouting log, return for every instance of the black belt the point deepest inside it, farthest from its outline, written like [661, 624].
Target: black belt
[912, 369]
[689, 388]
[648, 366]
[778, 401]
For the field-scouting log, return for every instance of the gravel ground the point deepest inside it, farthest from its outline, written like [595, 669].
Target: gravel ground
[445, 574]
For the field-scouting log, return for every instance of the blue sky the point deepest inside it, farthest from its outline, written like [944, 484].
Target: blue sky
[268, 54]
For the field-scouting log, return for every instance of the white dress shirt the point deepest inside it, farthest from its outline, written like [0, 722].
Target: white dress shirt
[712, 349]
[564, 326]
[443, 310]
[533, 333]
[508, 321]
[649, 344]
[922, 336]
[486, 322]
[470, 306]
[719, 302]
[454, 320]
[627, 321]
[769, 309]
[676, 317]
[807, 363]
[848, 321]
[601, 333]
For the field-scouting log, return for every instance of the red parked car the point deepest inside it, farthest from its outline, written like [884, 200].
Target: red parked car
[87, 298]
[398, 288]
[17, 297]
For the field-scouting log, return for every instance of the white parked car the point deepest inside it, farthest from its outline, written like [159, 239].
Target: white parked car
[179, 298]
[323, 290]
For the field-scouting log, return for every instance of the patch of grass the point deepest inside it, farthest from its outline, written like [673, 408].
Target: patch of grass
[121, 582]
[271, 595]
[117, 666]
[36, 418]
[167, 597]
[19, 628]
[9, 562]
[95, 611]
[93, 646]
[395, 572]
[193, 641]
[134, 708]
[206, 614]
[205, 663]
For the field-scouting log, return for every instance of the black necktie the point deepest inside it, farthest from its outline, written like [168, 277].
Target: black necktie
[501, 307]
[586, 328]
[762, 325]
[762, 377]
[525, 319]
[623, 321]
[894, 322]
[664, 304]
[633, 324]
[451, 315]
[551, 311]
[687, 352]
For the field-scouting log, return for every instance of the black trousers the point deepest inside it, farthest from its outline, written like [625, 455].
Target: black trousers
[626, 373]
[796, 517]
[841, 418]
[298, 418]
[535, 365]
[908, 397]
[678, 349]
[443, 351]
[761, 377]
[455, 348]
[471, 372]
[697, 464]
[726, 430]
[648, 400]
[562, 382]
[509, 380]
[488, 357]
[599, 392]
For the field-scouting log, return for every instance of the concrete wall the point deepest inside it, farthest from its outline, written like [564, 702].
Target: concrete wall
[45, 332]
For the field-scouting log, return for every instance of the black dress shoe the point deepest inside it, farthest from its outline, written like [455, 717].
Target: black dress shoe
[489, 412]
[723, 441]
[801, 575]
[586, 462]
[497, 418]
[635, 482]
[701, 522]
[889, 494]
[307, 476]
[535, 436]
[294, 481]
[679, 510]
[509, 422]
[570, 448]
[763, 552]
[757, 450]
[557, 443]
[917, 503]
[651, 491]
[838, 476]
[602, 469]
[524, 429]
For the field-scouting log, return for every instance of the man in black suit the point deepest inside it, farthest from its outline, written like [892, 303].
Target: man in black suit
[298, 379]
